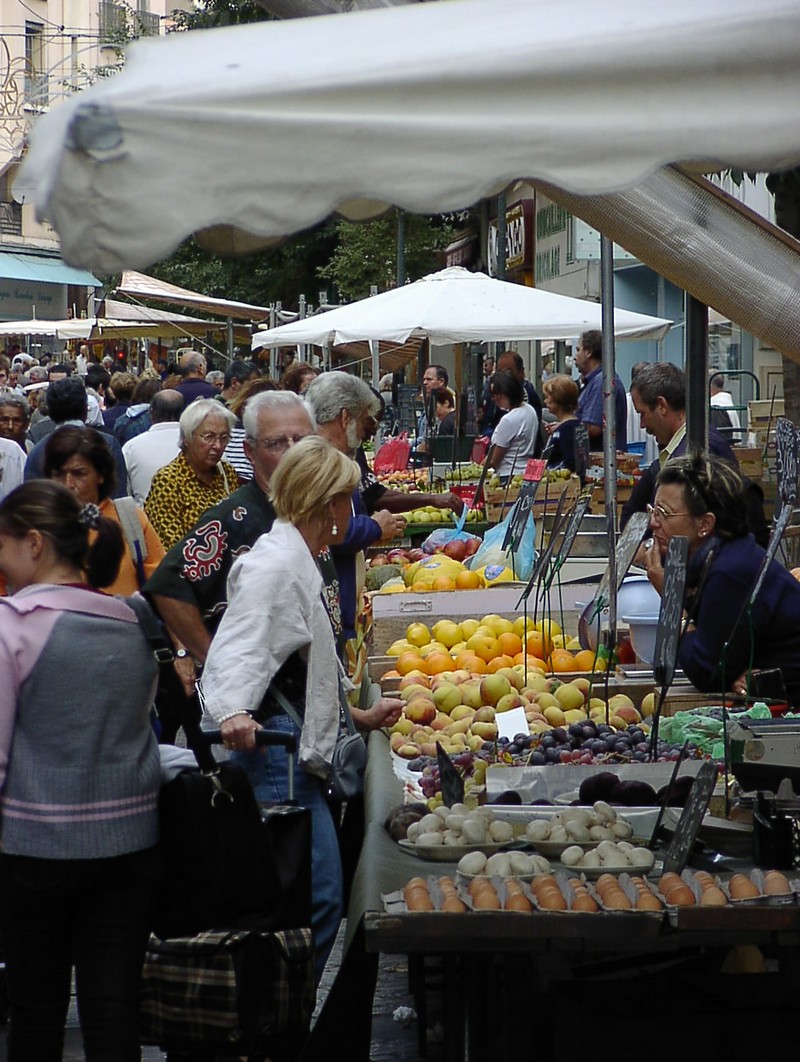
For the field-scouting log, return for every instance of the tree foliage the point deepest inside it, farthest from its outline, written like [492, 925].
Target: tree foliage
[366, 253]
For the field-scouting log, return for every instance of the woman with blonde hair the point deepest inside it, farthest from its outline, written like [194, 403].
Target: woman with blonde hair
[276, 633]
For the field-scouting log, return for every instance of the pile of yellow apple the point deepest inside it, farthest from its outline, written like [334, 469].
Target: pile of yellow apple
[488, 644]
[453, 700]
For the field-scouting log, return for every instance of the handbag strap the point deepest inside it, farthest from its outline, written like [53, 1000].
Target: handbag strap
[163, 653]
[344, 708]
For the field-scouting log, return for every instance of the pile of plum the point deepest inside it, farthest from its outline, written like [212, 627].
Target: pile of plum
[581, 743]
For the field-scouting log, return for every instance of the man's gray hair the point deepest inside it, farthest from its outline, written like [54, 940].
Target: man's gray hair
[195, 413]
[332, 392]
[11, 398]
[272, 402]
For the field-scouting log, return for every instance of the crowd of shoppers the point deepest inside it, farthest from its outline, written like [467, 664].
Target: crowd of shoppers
[242, 508]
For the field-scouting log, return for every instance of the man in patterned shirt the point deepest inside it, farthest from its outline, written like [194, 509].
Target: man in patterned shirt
[189, 587]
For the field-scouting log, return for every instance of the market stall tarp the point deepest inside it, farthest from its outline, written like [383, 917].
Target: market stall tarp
[140, 286]
[456, 306]
[69, 328]
[269, 128]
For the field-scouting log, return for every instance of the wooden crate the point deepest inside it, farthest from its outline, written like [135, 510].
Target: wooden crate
[750, 460]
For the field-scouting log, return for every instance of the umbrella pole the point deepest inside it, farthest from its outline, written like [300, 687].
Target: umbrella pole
[374, 350]
[610, 424]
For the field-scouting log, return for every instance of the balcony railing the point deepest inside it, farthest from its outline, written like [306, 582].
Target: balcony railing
[113, 22]
[10, 219]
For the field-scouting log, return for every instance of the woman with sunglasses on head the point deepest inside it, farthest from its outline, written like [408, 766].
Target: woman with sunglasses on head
[702, 499]
[79, 776]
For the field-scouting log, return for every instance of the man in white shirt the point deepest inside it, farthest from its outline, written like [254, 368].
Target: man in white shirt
[145, 454]
[722, 399]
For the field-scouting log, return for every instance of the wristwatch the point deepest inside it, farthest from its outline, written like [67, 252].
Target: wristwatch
[181, 654]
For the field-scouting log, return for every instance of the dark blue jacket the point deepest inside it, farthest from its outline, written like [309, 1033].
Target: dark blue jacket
[773, 627]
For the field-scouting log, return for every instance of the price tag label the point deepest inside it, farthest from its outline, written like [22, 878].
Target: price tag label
[573, 523]
[520, 512]
[581, 438]
[692, 816]
[535, 469]
[670, 615]
[786, 447]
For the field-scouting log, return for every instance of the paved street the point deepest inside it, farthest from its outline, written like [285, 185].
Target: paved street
[390, 1040]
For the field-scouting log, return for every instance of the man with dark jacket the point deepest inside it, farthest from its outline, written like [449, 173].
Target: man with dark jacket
[193, 367]
[659, 396]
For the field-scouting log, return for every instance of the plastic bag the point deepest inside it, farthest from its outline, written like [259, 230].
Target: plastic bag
[523, 558]
[393, 455]
[438, 539]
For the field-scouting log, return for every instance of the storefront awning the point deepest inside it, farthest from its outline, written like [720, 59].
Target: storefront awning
[43, 270]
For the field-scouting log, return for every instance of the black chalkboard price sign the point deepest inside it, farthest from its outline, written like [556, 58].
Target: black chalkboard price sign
[694, 809]
[786, 447]
[581, 439]
[531, 479]
[573, 523]
[670, 615]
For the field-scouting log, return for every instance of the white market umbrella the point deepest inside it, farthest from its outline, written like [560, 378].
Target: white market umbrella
[269, 128]
[457, 306]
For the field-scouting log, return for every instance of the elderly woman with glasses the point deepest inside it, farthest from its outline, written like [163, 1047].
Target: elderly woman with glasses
[198, 477]
[701, 499]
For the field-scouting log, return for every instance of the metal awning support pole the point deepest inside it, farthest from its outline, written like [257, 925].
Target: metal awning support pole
[696, 373]
[273, 352]
[229, 329]
[375, 351]
[609, 420]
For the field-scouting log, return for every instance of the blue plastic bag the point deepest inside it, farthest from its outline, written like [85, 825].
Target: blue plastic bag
[523, 558]
[436, 540]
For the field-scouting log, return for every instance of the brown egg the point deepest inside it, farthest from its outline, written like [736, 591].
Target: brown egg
[668, 880]
[584, 902]
[605, 880]
[646, 901]
[616, 900]
[680, 896]
[713, 897]
[552, 900]
[776, 884]
[543, 881]
[477, 884]
[453, 905]
[417, 883]
[742, 888]
[486, 900]
[518, 902]
[419, 901]
[703, 878]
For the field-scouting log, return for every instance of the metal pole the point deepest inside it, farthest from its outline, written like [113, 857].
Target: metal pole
[375, 351]
[696, 373]
[501, 236]
[229, 329]
[273, 352]
[401, 248]
[609, 420]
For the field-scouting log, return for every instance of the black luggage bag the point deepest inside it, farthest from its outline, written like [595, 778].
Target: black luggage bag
[231, 969]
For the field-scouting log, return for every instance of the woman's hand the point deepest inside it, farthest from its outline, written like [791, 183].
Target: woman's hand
[653, 565]
[238, 732]
[384, 712]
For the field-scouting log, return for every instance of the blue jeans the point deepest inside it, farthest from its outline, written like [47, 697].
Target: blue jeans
[267, 769]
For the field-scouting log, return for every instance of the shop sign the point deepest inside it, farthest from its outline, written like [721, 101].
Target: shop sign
[519, 238]
[20, 298]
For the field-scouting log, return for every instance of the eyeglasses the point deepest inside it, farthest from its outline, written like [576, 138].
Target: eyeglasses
[209, 437]
[280, 443]
[658, 512]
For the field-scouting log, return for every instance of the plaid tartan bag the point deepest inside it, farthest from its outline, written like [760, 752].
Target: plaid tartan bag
[230, 989]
